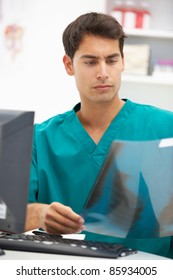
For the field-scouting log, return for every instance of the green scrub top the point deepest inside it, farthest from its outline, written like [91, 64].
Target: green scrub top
[66, 161]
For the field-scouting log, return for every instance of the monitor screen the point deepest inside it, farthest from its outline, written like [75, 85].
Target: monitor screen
[16, 131]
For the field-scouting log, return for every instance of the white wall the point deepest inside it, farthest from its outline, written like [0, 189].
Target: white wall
[36, 79]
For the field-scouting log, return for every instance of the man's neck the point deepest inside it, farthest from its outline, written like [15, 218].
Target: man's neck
[97, 118]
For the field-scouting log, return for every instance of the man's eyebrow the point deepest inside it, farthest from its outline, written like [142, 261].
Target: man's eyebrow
[113, 55]
[90, 56]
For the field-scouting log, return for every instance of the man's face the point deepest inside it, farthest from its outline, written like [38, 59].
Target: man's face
[97, 66]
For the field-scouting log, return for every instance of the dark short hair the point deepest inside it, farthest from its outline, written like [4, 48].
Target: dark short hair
[97, 24]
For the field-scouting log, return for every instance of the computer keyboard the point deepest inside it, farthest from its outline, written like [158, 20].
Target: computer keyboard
[56, 244]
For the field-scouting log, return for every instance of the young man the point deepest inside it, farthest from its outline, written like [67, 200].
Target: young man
[69, 149]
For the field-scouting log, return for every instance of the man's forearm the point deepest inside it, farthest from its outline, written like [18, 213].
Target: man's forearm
[33, 215]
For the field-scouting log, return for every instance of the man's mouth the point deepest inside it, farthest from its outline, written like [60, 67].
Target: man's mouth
[102, 86]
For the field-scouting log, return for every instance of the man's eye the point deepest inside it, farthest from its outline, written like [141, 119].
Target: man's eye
[90, 62]
[111, 61]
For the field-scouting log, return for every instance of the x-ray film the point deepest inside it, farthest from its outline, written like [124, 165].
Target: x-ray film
[133, 194]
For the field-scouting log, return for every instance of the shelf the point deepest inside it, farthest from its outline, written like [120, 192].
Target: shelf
[168, 80]
[162, 34]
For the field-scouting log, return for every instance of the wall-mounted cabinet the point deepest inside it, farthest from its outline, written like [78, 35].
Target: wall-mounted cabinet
[154, 89]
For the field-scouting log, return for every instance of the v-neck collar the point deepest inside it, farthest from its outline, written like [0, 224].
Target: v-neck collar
[97, 151]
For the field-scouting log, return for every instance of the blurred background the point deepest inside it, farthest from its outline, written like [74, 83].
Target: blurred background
[32, 75]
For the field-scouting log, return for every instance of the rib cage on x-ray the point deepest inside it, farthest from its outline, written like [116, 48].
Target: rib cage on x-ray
[133, 194]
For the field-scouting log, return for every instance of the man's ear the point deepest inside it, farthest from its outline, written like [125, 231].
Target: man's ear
[68, 65]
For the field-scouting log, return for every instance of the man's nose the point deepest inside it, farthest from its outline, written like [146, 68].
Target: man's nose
[102, 73]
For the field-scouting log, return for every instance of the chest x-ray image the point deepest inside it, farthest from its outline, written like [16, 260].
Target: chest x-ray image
[133, 194]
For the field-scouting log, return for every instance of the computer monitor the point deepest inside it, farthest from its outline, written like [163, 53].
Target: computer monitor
[16, 132]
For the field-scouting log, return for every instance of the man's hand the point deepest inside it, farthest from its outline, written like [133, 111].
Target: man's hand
[54, 218]
[57, 218]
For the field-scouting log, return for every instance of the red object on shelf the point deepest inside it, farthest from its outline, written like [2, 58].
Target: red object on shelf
[132, 14]
[118, 12]
[125, 13]
[143, 16]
